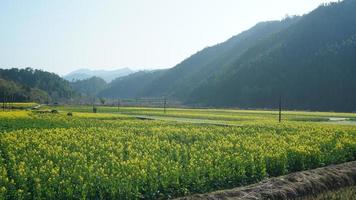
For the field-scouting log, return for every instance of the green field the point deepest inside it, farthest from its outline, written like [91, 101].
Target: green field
[114, 155]
[227, 115]
[15, 105]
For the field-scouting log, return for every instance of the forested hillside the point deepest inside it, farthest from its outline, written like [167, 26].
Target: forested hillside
[90, 87]
[310, 61]
[311, 64]
[131, 86]
[33, 85]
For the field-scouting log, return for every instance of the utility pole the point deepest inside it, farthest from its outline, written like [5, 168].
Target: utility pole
[164, 105]
[118, 105]
[94, 108]
[280, 109]
[12, 101]
[3, 102]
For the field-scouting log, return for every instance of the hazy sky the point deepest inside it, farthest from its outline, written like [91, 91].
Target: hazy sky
[63, 35]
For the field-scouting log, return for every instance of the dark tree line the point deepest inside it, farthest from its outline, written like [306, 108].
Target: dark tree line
[33, 85]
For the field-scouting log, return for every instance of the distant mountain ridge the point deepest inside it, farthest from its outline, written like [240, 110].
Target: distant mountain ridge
[107, 75]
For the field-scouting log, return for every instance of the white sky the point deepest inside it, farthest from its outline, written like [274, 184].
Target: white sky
[63, 35]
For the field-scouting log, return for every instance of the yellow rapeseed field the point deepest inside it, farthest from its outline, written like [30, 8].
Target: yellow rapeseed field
[109, 156]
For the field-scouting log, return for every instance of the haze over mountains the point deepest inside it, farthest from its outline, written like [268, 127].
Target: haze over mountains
[107, 75]
[309, 61]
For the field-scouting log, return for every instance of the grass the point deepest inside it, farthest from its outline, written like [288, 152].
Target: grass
[18, 105]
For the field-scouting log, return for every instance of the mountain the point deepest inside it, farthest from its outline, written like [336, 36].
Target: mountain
[91, 86]
[181, 80]
[33, 85]
[131, 86]
[309, 61]
[311, 64]
[108, 76]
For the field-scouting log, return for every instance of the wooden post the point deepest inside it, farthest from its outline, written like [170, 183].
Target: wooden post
[280, 109]
[118, 105]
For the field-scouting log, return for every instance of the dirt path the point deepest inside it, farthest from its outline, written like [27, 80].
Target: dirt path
[186, 120]
[342, 122]
[289, 186]
[37, 106]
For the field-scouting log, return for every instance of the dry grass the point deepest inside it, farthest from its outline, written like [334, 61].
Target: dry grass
[294, 185]
[348, 193]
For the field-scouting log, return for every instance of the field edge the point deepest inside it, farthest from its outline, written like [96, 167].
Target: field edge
[294, 185]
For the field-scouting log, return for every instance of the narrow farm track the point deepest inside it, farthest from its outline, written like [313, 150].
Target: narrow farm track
[37, 106]
[187, 120]
[290, 186]
[345, 122]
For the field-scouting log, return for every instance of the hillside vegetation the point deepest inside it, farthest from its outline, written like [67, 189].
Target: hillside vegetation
[90, 86]
[32, 85]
